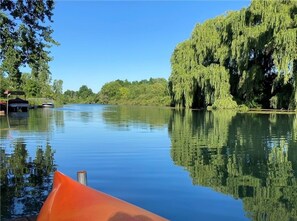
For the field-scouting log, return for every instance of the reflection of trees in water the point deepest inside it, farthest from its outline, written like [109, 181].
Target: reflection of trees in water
[42, 120]
[39, 120]
[295, 127]
[125, 116]
[25, 184]
[252, 157]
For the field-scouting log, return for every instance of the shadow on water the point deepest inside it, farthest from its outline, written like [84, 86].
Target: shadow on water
[251, 157]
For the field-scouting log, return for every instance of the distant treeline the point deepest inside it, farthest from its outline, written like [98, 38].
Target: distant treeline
[246, 57]
[145, 92]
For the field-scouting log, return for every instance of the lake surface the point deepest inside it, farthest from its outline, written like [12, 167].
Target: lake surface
[182, 165]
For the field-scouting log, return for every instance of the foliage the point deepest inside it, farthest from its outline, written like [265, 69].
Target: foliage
[250, 55]
[84, 95]
[25, 38]
[224, 103]
[145, 92]
[70, 96]
[35, 87]
[25, 41]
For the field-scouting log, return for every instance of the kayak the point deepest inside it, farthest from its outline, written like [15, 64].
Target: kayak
[71, 200]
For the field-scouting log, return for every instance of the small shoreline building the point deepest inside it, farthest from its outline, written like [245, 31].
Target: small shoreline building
[16, 104]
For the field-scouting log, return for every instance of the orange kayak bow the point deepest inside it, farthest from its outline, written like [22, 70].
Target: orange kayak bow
[70, 200]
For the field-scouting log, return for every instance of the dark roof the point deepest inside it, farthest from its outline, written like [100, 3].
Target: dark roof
[18, 100]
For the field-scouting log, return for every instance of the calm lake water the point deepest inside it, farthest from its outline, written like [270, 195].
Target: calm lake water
[182, 165]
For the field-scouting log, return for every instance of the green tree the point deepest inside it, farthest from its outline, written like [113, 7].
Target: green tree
[145, 92]
[25, 37]
[30, 85]
[85, 94]
[58, 86]
[110, 91]
[58, 91]
[70, 96]
[4, 84]
[248, 56]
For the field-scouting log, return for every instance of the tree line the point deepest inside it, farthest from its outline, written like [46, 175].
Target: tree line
[145, 92]
[25, 40]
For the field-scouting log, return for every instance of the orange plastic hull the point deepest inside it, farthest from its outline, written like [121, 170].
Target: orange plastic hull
[70, 200]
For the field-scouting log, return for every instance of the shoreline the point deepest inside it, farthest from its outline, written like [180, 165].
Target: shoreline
[271, 111]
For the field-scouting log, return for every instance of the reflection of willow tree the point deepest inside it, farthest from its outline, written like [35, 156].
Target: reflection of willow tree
[294, 132]
[123, 116]
[25, 184]
[273, 198]
[251, 157]
[191, 133]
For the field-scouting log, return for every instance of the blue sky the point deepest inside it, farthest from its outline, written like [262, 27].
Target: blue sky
[102, 41]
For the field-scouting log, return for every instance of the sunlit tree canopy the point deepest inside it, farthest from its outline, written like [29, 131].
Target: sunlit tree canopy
[243, 57]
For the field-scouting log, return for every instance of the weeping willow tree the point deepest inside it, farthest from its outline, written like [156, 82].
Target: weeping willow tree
[244, 57]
